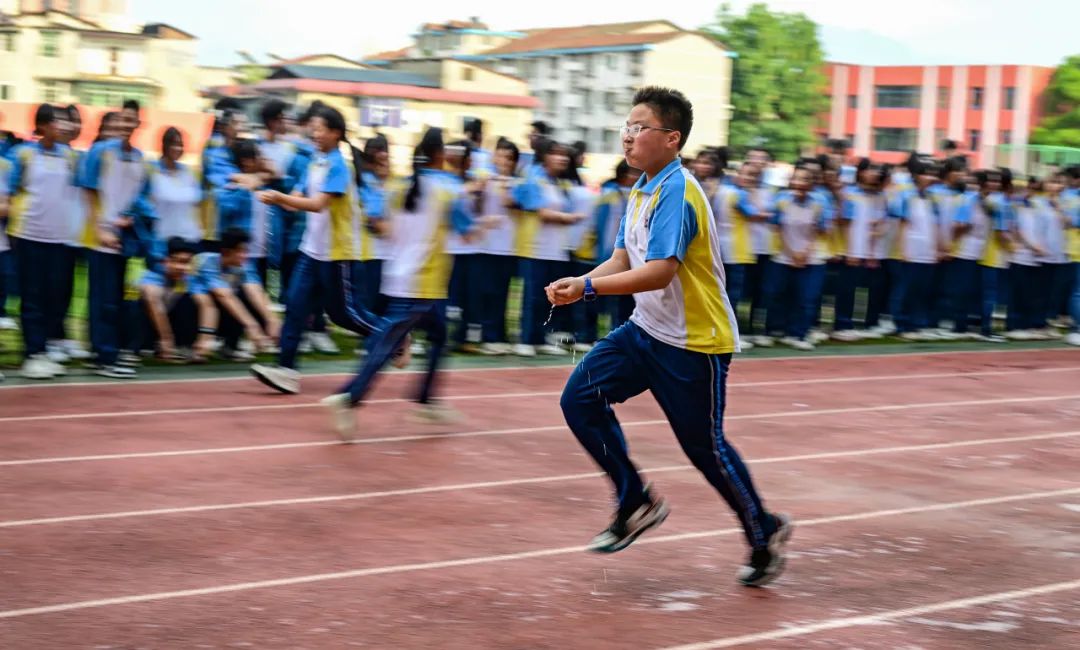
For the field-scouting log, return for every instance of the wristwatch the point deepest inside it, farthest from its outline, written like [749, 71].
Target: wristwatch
[590, 293]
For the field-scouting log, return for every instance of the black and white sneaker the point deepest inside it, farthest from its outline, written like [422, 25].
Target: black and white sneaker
[624, 529]
[285, 380]
[766, 564]
[117, 372]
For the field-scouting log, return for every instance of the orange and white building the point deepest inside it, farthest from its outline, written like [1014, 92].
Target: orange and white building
[885, 112]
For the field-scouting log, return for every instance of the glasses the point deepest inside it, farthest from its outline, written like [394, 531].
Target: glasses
[634, 130]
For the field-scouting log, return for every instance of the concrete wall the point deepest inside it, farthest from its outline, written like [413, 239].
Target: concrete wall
[694, 65]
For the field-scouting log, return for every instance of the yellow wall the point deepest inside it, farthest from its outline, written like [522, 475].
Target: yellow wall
[701, 71]
[483, 80]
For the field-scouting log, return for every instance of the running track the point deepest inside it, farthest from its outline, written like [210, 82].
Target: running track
[937, 498]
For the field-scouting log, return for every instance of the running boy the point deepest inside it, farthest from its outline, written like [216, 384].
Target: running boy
[678, 343]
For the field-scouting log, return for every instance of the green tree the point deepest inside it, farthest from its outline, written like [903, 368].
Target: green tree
[1061, 103]
[778, 84]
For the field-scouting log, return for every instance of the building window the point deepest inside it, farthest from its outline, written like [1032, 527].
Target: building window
[611, 140]
[609, 102]
[50, 91]
[467, 74]
[890, 139]
[1010, 98]
[571, 117]
[939, 139]
[637, 57]
[7, 41]
[554, 69]
[586, 101]
[590, 65]
[897, 96]
[853, 101]
[50, 43]
[6, 92]
[612, 62]
[1006, 136]
[974, 136]
[977, 98]
[942, 97]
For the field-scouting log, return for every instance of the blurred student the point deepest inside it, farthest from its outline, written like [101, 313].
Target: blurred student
[177, 316]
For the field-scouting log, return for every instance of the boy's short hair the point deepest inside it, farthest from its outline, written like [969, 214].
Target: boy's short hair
[234, 238]
[671, 107]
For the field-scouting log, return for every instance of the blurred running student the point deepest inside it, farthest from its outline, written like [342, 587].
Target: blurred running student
[330, 251]
[798, 272]
[62, 347]
[497, 261]
[736, 212]
[1056, 272]
[707, 172]
[107, 127]
[231, 280]
[239, 207]
[678, 344]
[982, 236]
[219, 168]
[482, 165]
[177, 316]
[949, 198]
[530, 160]
[39, 223]
[114, 179]
[863, 215]
[544, 199]
[921, 249]
[416, 281]
[176, 195]
[463, 302]
[610, 210]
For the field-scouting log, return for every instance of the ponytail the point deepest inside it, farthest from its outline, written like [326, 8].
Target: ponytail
[431, 145]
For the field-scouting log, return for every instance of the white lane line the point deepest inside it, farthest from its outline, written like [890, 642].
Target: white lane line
[500, 432]
[506, 557]
[564, 367]
[359, 496]
[733, 385]
[881, 617]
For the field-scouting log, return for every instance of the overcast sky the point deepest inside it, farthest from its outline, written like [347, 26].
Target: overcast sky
[1040, 32]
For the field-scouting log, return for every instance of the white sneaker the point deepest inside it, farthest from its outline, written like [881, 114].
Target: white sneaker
[246, 345]
[492, 349]
[929, 335]
[846, 336]
[551, 350]
[803, 345]
[342, 418]
[285, 380]
[37, 367]
[746, 345]
[117, 372]
[886, 328]
[75, 350]
[582, 348]
[523, 350]
[305, 345]
[418, 349]
[55, 352]
[322, 343]
[238, 355]
[8, 324]
[764, 341]
[1018, 335]
[789, 341]
[56, 369]
[1050, 334]
[1073, 338]
[434, 413]
[912, 336]
[817, 336]
[128, 358]
[870, 334]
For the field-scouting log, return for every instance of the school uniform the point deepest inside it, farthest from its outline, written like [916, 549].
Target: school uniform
[72, 252]
[381, 200]
[796, 292]
[416, 279]
[209, 275]
[6, 261]
[862, 215]
[39, 225]
[1028, 290]
[541, 247]
[608, 215]
[678, 345]
[465, 274]
[497, 259]
[763, 242]
[1056, 271]
[979, 257]
[240, 208]
[119, 179]
[288, 226]
[582, 239]
[216, 167]
[734, 208]
[918, 237]
[330, 251]
[175, 195]
[180, 308]
[830, 244]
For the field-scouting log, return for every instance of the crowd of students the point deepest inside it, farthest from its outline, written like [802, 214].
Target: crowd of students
[182, 260]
